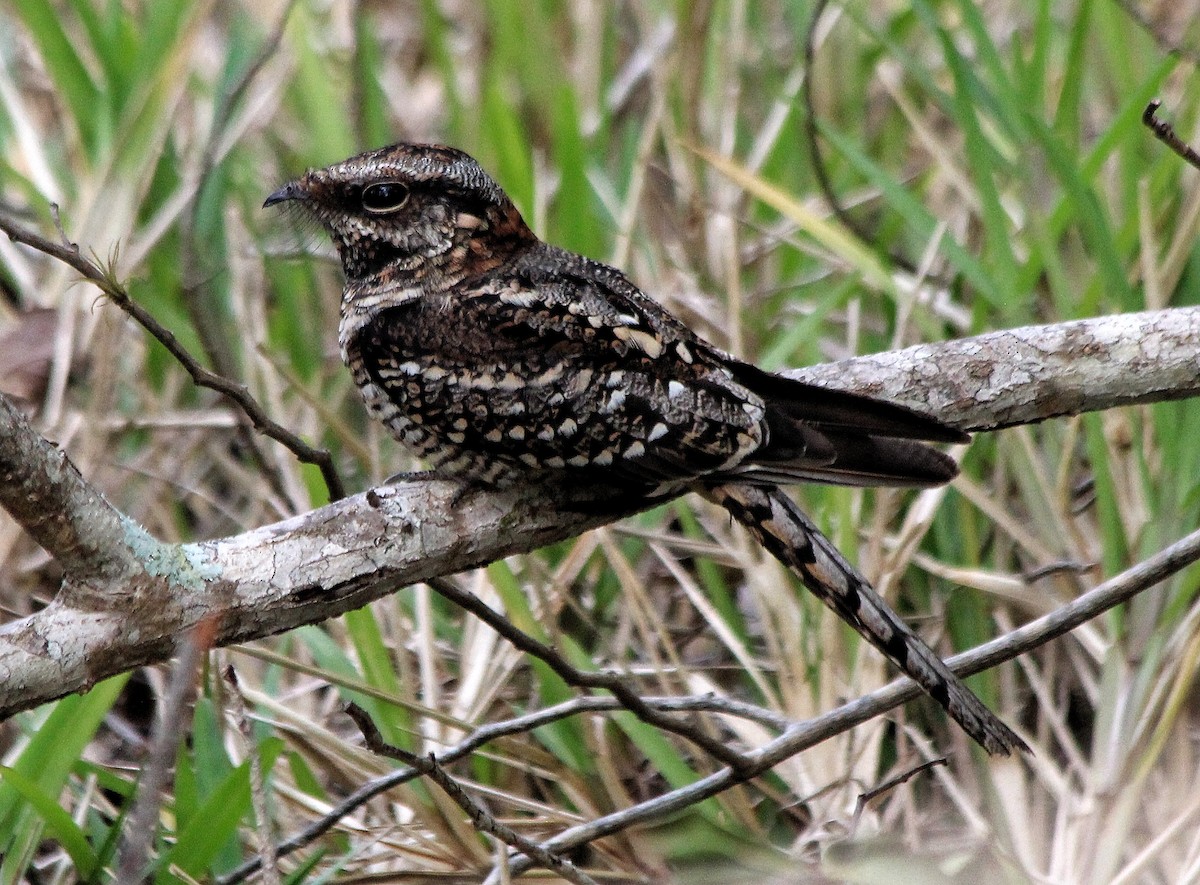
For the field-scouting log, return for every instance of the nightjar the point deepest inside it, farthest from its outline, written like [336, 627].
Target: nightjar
[503, 360]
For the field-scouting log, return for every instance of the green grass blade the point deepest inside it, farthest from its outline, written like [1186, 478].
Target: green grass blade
[54, 749]
[58, 824]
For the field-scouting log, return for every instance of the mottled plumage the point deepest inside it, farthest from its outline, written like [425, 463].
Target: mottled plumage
[500, 359]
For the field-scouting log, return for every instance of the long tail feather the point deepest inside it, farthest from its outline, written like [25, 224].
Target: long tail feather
[783, 529]
[856, 460]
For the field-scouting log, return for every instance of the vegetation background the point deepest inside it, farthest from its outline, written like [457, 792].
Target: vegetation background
[992, 163]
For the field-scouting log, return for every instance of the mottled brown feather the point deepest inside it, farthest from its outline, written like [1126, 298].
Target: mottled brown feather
[502, 360]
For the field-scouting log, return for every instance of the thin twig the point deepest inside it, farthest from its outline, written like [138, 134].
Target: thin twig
[614, 682]
[56, 216]
[235, 392]
[1165, 133]
[484, 735]
[480, 817]
[889, 785]
[1033, 575]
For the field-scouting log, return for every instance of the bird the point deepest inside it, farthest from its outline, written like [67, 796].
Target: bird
[503, 360]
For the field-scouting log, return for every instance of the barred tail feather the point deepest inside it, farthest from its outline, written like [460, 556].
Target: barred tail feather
[782, 528]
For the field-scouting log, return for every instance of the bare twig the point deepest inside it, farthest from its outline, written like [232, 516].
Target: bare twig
[1165, 133]
[56, 216]
[235, 392]
[614, 682]
[1033, 575]
[492, 731]
[480, 817]
[889, 785]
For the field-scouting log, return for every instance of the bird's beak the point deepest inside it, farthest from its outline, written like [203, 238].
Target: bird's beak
[290, 191]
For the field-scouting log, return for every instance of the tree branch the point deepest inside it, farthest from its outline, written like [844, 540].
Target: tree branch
[481, 818]
[1031, 374]
[141, 594]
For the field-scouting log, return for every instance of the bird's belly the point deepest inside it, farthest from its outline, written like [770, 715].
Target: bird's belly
[436, 425]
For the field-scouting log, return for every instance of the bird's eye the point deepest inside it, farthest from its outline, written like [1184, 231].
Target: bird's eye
[384, 197]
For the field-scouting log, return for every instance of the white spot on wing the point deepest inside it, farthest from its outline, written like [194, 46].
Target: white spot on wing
[520, 297]
[615, 400]
[647, 342]
[549, 376]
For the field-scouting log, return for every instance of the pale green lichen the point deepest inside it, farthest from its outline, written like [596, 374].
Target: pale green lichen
[182, 565]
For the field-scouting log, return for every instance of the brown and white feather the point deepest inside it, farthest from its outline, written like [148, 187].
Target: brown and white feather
[503, 360]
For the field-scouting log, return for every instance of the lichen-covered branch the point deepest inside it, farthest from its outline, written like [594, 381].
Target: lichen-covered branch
[126, 596]
[268, 580]
[1021, 376]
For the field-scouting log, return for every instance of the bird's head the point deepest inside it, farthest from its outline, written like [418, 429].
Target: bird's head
[411, 210]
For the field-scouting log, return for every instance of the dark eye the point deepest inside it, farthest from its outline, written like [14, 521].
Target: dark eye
[384, 197]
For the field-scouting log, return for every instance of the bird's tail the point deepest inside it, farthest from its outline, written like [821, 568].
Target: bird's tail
[782, 528]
